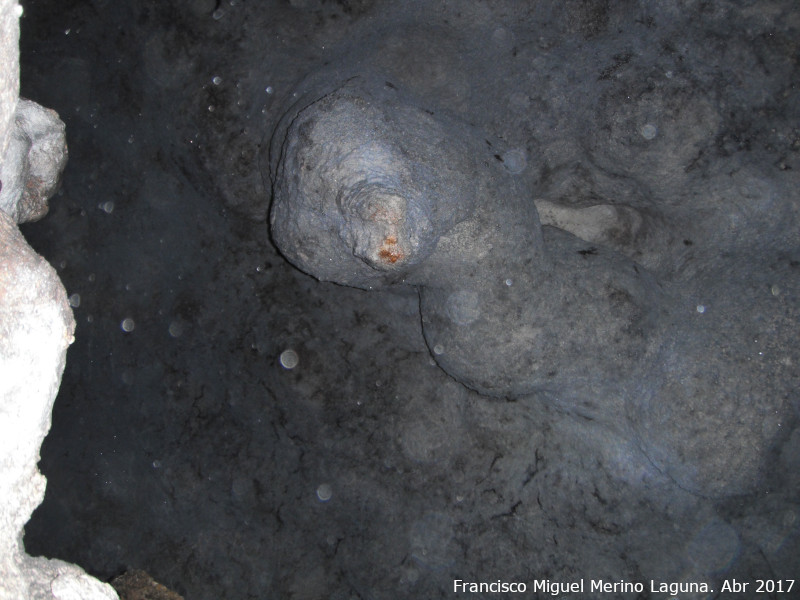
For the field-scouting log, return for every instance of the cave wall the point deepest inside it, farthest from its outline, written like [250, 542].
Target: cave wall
[36, 327]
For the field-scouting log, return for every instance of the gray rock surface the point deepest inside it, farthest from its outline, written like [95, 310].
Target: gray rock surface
[33, 163]
[370, 189]
[366, 183]
[663, 135]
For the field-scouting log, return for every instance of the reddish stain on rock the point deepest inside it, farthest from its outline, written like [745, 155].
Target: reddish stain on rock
[390, 252]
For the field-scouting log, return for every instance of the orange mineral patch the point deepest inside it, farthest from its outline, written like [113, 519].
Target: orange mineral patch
[389, 251]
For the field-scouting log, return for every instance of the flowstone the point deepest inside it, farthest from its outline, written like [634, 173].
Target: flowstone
[270, 435]
[372, 189]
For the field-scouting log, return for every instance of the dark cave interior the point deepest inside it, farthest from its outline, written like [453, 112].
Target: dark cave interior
[182, 445]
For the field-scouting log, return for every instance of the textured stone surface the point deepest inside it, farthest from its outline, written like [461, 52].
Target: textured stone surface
[365, 183]
[365, 470]
[36, 326]
[369, 190]
[10, 11]
[138, 585]
[32, 166]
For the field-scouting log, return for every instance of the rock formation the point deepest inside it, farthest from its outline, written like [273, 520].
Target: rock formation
[590, 308]
[36, 327]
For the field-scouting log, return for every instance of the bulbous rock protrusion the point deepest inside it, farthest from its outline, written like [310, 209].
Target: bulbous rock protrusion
[368, 190]
[365, 184]
[371, 190]
[572, 324]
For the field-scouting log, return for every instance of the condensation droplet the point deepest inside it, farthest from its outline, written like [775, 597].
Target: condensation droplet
[649, 131]
[515, 161]
[509, 282]
[75, 300]
[176, 329]
[775, 289]
[127, 325]
[714, 547]
[701, 309]
[107, 207]
[324, 492]
[438, 349]
[463, 307]
[218, 14]
[499, 35]
[216, 80]
[289, 359]
[130, 139]
[269, 89]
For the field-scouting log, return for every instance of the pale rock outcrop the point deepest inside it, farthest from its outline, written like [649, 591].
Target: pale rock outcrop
[36, 327]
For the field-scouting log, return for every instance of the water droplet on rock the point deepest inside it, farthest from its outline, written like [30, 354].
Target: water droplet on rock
[289, 359]
[463, 307]
[649, 131]
[515, 161]
[324, 492]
